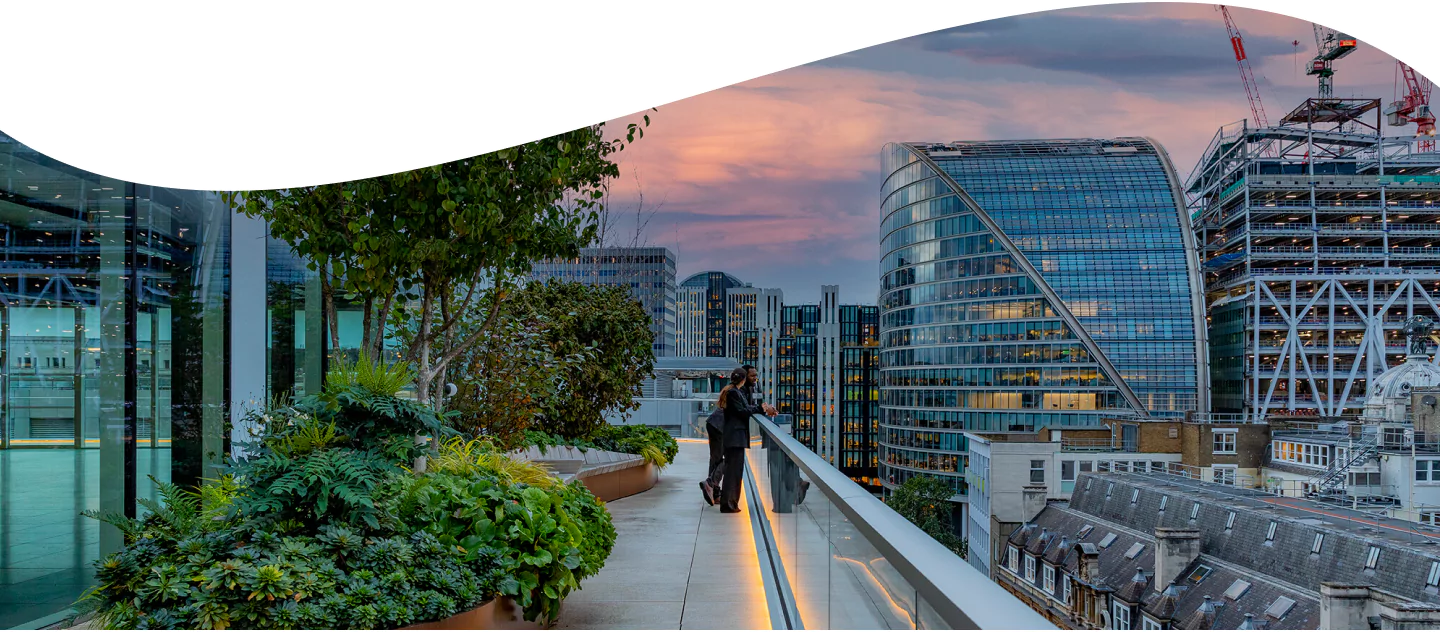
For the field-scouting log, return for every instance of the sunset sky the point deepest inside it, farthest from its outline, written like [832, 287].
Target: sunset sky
[777, 180]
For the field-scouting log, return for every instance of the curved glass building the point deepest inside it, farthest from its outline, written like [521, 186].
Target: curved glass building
[1029, 285]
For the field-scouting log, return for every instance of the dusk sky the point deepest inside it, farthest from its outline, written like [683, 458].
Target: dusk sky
[777, 180]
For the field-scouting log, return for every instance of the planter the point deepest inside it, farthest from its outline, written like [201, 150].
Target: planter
[497, 614]
[612, 484]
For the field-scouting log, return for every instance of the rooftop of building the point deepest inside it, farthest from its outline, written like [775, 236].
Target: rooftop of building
[1036, 148]
[702, 279]
[1258, 552]
[696, 364]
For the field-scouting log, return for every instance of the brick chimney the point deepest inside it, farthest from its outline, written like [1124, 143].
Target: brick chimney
[1175, 549]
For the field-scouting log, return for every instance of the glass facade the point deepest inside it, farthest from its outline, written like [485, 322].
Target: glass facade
[1039, 283]
[114, 304]
[702, 325]
[648, 272]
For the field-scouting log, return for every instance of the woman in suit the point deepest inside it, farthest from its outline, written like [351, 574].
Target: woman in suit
[735, 437]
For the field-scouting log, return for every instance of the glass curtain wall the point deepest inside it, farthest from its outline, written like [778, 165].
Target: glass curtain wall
[114, 300]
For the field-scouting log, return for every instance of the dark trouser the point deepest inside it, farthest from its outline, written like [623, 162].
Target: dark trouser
[734, 475]
[717, 457]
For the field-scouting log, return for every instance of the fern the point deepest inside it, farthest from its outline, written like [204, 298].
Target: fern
[375, 377]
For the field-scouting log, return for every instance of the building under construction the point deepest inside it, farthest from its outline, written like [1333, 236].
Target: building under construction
[1319, 237]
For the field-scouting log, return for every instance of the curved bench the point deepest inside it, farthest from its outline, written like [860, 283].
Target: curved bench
[608, 475]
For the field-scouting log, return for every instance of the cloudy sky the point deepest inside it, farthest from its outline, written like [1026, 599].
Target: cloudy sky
[777, 180]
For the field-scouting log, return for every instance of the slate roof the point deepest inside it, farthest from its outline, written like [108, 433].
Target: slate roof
[1257, 571]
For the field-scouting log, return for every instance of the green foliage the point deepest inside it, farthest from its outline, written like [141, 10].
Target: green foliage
[370, 376]
[612, 331]
[925, 501]
[506, 377]
[545, 541]
[655, 444]
[226, 578]
[477, 458]
[410, 246]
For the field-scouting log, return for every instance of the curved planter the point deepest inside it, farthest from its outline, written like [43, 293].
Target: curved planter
[614, 483]
[497, 614]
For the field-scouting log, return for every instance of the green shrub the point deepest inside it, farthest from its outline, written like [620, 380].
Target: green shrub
[182, 568]
[655, 444]
[545, 541]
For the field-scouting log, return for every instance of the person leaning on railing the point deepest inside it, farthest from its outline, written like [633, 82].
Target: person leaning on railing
[738, 407]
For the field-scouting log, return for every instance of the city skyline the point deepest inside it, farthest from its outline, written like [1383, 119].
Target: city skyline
[776, 180]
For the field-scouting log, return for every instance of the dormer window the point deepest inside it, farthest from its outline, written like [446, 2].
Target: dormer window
[1194, 510]
[1164, 500]
[1372, 560]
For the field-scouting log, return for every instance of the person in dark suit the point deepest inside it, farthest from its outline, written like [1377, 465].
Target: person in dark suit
[736, 401]
[714, 429]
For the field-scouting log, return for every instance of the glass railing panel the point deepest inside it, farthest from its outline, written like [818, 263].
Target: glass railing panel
[850, 562]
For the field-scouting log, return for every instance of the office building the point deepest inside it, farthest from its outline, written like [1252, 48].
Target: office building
[1030, 284]
[649, 273]
[702, 323]
[1319, 238]
[826, 372]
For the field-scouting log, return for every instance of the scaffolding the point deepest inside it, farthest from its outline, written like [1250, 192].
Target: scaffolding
[1319, 236]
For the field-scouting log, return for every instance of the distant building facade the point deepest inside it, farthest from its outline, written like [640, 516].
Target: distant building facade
[1030, 284]
[826, 376]
[649, 273]
[702, 328]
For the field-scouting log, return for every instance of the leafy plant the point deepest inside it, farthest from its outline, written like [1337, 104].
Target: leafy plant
[507, 377]
[612, 331]
[372, 376]
[925, 501]
[654, 444]
[480, 458]
[546, 541]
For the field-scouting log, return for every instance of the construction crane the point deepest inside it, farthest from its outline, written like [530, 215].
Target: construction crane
[1330, 45]
[1414, 106]
[1247, 76]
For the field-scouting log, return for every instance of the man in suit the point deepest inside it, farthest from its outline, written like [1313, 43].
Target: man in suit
[715, 427]
[739, 405]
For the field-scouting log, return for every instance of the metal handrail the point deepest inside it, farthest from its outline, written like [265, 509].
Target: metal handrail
[955, 591]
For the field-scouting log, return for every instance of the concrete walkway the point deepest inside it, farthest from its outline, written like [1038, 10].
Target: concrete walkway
[678, 563]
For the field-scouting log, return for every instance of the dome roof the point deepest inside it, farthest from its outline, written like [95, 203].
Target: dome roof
[1395, 384]
[1416, 372]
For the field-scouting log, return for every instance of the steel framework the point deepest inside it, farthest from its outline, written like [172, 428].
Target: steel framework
[1319, 236]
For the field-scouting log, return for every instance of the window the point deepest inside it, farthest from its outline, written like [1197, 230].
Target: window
[1224, 442]
[1319, 542]
[1194, 510]
[1430, 517]
[1122, 616]
[1065, 588]
[1067, 471]
[1427, 470]
[1373, 559]
[1280, 607]
[1224, 475]
[1146, 623]
[1270, 532]
[1085, 530]
[1135, 496]
[1087, 466]
[1164, 500]
[1434, 578]
[1108, 489]
[1029, 569]
[1201, 572]
[1365, 479]
[1230, 521]
[1106, 541]
[1050, 579]
[1237, 590]
[1014, 561]
[1135, 550]
[1037, 471]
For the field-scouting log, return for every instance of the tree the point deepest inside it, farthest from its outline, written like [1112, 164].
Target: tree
[507, 377]
[615, 329]
[925, 501]
[429, 247]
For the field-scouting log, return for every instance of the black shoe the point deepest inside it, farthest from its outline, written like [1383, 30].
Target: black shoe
[804, 487]
[709, 492]
[727, 510]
